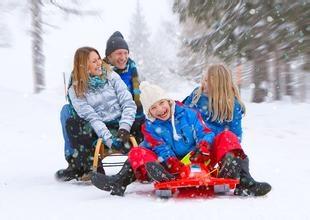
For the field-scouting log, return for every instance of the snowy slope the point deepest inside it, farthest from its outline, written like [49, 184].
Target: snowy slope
[31, 150]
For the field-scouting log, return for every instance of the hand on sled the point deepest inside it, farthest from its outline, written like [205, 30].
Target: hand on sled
[123, 135]
[177, 168]
[201, 154]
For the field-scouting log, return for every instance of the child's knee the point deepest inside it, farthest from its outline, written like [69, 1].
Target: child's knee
[139, 156]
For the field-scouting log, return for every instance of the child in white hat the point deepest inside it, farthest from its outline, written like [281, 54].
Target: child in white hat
[171, 131]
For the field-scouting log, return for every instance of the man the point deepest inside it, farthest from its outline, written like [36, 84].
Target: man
[117, 54]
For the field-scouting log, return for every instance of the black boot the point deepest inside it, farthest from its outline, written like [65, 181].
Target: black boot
[248, 186]
[71, 172]
[157, 172]
[230, 167]
[116, 183]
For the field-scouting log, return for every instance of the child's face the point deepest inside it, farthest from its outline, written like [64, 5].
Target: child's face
[161, 110]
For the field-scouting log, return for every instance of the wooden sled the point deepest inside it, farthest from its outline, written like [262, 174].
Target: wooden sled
[102, 152]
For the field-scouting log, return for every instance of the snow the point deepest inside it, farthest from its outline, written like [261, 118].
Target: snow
[276, 138]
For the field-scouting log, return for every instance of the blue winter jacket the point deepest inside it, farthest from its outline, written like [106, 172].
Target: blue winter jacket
[216, 126]
[189, 126]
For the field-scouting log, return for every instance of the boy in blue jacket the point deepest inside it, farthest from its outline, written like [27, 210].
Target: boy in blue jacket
[171, 131]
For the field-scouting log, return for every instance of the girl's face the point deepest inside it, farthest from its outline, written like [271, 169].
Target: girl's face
[161, 110]
[94, 64]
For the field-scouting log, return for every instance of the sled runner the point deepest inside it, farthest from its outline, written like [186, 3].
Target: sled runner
[102, 152]
[200, 183]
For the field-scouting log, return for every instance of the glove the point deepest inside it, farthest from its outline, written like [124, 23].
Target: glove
[177, 168]
[123, 135]
[117, 144]
[201, 154]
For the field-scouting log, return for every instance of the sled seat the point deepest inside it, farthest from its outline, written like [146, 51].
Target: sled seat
[101, 152]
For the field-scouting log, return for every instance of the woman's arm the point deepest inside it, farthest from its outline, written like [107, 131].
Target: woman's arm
[87, 112]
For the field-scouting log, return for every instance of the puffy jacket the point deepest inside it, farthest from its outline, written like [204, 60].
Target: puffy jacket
[130, 76]
[111, 102]
[216, 126]
[158, 135]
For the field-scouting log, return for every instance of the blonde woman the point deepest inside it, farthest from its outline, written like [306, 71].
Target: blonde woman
[218, 100]
[100, 106]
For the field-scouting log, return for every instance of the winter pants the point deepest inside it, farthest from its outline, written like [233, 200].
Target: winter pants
[69, 150]
[224, 143]
[65, 114]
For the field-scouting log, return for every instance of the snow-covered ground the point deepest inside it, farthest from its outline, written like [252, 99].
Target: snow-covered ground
[31, 150]
[276, 138]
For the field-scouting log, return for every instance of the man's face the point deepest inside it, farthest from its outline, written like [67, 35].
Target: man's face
[161, 110]
[119, 58]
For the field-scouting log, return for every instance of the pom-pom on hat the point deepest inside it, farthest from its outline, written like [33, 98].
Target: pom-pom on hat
[115, 42]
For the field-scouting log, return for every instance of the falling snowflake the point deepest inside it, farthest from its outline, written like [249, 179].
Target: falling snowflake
[158, 130]
[269, 19]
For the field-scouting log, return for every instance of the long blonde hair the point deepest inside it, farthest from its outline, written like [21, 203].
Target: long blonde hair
[217, 83]
[79, 73]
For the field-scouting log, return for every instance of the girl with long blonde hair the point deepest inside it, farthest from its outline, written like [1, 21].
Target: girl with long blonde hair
[218, 100]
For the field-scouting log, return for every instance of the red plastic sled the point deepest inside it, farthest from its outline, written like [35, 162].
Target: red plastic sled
[200, 183]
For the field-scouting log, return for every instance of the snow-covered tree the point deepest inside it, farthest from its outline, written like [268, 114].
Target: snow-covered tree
[139, 44]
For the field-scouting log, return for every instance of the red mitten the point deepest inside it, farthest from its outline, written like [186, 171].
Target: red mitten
[201, 154]
[177, 168]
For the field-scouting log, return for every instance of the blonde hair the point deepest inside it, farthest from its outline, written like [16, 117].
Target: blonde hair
[217, 83]
[79, 73]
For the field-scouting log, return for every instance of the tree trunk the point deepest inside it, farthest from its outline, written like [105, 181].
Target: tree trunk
[259, 77]
[289, 91]
[37, 46]
[302, 87]
[277, 78]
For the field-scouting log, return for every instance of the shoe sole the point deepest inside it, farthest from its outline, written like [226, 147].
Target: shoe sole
[99, 180]
[157, 172]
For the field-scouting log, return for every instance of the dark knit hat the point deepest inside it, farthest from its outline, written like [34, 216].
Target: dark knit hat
[116, 41]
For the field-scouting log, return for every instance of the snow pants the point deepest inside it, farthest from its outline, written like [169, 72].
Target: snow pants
[225, 142]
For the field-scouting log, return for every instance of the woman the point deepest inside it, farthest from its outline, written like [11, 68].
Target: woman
[101, 106]
[218, 100]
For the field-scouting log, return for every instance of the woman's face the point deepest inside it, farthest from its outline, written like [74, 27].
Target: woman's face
[119, 58]
[94, 64]
[161, 110]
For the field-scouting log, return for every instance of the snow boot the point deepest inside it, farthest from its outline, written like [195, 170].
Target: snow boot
[248, 186]
[71, 172]
[230, 167]
[157, 172]
[116, 183]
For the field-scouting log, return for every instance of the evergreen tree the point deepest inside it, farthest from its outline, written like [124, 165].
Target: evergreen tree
[254, 30]
[139, 42]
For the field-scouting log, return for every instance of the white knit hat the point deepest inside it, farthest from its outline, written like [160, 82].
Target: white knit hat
[150, 94]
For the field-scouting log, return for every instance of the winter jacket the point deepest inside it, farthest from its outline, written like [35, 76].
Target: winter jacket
[110, 102]
[216, 126]
[158, 135]
[130, 76]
